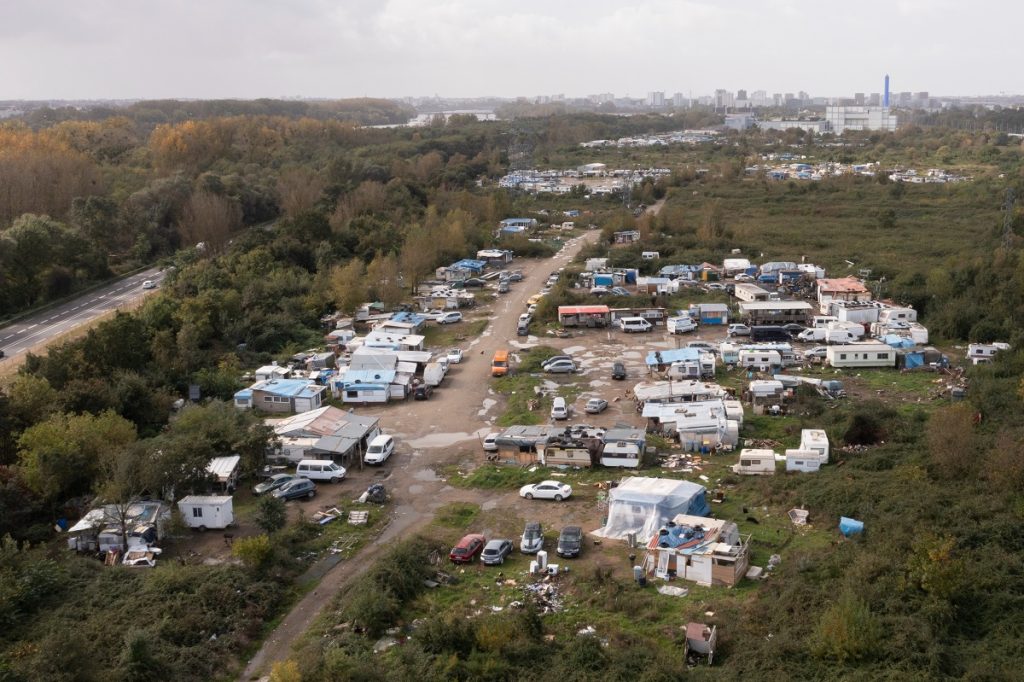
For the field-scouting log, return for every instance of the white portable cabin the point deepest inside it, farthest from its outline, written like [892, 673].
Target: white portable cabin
[817, 440]
[621, 454]
[207, 511]
[861, 355]
[807, 461]
[755, 462]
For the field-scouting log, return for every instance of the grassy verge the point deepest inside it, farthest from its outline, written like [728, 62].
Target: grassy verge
[445, 335]
[520, 389]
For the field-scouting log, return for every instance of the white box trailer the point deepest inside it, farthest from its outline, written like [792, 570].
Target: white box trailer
[755, 462]
[621, 454]
[756, 359]
[203, 512]
[807, 461]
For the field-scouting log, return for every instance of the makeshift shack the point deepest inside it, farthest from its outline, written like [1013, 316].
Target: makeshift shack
[224, 471]
[207, 511]
[702, 550]
[639, 506]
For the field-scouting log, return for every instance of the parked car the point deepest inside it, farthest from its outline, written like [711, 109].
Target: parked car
[272, 484]
[738, 330]
[714, 286]
[422, 392]
[495, 552]
[454, 356]
[515, 276]
[467, 548]
[794, 328]
[534, 300]
[546, 490]
[532, 308]
[561, 367]
[533, 538]
[320, 470]
[596, 406]
[598, 291]
[618, 291]
[555, 358]
[570, 542]
[525, 318]
[744, 277]
[149, 284]
[816, 352]
[491, 442]
[380, 449]
[294, 489]
[474, 282]
[559, 410]
[618, 371]
[450, 317]
[545, 290]
[703, 345]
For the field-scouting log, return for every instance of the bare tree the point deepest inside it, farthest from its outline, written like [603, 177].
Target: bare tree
[209, 219]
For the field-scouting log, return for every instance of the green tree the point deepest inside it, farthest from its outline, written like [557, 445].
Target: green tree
[255, 552]
[847, 631]
[348, 283]
[271, 513]
[59, 457]
[933, 566]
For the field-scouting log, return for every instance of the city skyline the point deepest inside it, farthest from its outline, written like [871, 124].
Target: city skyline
[399, 48]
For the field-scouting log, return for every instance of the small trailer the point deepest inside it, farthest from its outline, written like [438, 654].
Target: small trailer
[203, 512]
[433, 373]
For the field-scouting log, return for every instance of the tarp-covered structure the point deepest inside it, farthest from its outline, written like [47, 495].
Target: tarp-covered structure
[643, 505]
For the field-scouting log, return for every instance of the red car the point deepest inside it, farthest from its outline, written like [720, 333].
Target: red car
[467, 549]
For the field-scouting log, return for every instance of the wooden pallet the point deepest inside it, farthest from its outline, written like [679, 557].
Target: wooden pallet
[358, 518]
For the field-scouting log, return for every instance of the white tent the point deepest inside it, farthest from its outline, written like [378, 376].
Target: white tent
[643, 505]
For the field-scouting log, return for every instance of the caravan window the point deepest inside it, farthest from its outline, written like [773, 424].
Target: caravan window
[883, 356]
[197, 512]
[351, 394]
[746, 462]
[842, 356]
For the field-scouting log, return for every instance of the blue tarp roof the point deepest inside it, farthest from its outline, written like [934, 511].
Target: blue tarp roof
[411, 318]
[292, 388]
[898, 341]
[374, 377]
[469, 264]
[667, 357]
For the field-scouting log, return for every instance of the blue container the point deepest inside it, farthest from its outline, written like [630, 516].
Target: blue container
[848, 526]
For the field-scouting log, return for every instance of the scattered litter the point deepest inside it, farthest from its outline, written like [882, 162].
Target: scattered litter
[545, 595]
[497, 609]
[704, 478]
[798, 516]
[709, 614]
[755, 572]
[587, 631]
[773, 561]
[326, 516]
[383, 644]
[673, 591]
[358, 518]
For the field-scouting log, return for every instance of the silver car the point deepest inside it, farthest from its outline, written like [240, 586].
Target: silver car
[560, 367]
[596, 406]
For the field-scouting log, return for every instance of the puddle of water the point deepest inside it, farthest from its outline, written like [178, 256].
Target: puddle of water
[487, 405]
[425, 475]
[439, 440]
[598, 383]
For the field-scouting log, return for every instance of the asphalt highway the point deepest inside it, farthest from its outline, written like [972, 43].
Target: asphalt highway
[42, 328]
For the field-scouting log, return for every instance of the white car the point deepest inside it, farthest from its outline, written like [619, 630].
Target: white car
[491, 442]
[744, 277]
[454, 356]
[380, 449]
[449, 318]
[531, 309]
[596, 406]
[149, 284]
[816, 352]
[546, 490]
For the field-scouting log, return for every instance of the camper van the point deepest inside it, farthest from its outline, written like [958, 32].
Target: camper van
[755, 463]
[499, 364]
[822, 334]
[634, 324]
[680, 325]
[320, 470]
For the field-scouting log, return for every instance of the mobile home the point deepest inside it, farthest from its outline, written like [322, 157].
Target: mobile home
[807, 461]
[207, 511]
[861, 355]
[816, 440]
[755, 462]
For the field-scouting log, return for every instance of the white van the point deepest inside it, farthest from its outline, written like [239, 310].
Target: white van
[559, 410]
[380, 449]
[634, 324]
[320, 470]
[680, 325]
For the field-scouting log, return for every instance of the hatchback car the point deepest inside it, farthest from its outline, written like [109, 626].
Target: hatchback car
[715, 286]
[495, 552]
[467, 548]
[294, 489]
[570, 542]
[272, 484]
[596, 406]
[515, 277]
[618, 291]
[618, 371]
[449, 318]
[744, 277]
[474, 282]
[455, 356]
[560, 367]
[555, 358]
[533, 538]
[149, 284]
[738, 330]
[546, 490]
[816, 352]
[491, 442]
[380, 449]
[423, 392]
[598, 291]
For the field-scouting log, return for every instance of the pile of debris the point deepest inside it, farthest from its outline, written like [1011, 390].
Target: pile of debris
[762, 444]
[685, 462]
[545, 596]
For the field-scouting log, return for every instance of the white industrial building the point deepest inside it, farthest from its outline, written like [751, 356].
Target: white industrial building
[841, 119]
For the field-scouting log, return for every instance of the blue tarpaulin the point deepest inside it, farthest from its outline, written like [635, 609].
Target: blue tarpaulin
[848, 526]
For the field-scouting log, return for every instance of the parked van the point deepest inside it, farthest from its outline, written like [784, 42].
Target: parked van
[769, 333]
[320, 470]
[499, 364]
[680, 325]
[823, 321]
[559, 410]
[635, 324]
[380, 449]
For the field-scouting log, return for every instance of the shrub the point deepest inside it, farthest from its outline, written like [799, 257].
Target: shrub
[847, 631]
[271, 513]
[255, 552]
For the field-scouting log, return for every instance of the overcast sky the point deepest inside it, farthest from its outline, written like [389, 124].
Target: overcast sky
[108, 49]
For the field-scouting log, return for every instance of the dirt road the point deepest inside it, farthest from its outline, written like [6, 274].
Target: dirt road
[445, 429]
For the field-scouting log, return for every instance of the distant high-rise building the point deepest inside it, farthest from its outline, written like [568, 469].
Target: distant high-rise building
[905, 99]
[655, 99]
[723, 98]
[874, 99]
[777, 99]
[803, 97]
[741, 94]
[885, 97]
[759, 98]
[680, 101]
[858, 98]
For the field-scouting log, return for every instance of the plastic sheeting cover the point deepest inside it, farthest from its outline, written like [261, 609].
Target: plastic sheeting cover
[643, 505]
